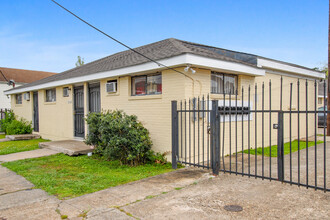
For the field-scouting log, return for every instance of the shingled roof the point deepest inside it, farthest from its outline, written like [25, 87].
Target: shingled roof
[159, 50]
[22, 76]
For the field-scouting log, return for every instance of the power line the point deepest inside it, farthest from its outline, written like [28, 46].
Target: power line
[121, 43]
[4, 76]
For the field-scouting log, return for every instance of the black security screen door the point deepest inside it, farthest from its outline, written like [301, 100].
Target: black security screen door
[79, 124]
[35, 112]
[94, 98]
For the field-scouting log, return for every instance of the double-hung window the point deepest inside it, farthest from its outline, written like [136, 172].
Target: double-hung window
[222, 83]
[19, 98]
[51, 95]
[147, 85]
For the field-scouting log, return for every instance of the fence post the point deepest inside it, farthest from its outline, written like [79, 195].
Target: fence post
[175, 135]
[215, 137]
[280, 147]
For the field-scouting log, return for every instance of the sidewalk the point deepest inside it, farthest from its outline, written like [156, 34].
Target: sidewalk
[18, 199]
[27, 154]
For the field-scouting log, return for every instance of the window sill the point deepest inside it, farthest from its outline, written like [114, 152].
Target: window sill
[50, 103]
[18, 105]
[145, 97]
[112, 94]
[220, 96]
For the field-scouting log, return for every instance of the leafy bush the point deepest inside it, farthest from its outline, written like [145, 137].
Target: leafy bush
[19, 127]
[9, 117]
[118, 136]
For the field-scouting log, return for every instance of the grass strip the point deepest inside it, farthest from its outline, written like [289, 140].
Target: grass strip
[294, 148]
[9, 147]
[68, 177]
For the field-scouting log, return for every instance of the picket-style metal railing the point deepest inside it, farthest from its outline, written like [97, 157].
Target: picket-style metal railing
[244, 134]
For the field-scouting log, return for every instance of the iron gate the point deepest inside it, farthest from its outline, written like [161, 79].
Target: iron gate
[255, 133]
[79, 123]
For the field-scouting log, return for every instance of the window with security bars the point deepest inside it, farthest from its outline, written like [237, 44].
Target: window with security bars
[51, 95]
[222, 83]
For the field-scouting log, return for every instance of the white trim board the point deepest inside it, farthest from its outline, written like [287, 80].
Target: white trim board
[265, 63]
[180, 60]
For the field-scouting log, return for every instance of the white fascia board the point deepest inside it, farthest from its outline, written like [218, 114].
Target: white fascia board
[265, 63]
[322, 96]
[224, 65]
[150, 66]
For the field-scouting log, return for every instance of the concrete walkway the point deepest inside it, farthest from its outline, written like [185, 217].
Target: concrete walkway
[18, 199]
[27, 155]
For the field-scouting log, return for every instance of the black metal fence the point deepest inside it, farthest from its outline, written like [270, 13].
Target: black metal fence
[255, 133]
[3, 112]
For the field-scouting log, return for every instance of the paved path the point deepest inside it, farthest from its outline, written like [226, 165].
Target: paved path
[18, 199]
[27, 154]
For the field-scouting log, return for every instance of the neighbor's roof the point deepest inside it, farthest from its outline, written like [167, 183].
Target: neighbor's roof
[22, 76]
[159, 50]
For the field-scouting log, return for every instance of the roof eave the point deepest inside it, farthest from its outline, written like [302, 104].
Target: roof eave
[175, 61]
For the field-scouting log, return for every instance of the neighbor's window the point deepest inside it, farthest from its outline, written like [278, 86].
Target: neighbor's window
[18, 98]
[147, 85]
[222, 83]
[320, 101]
[50, 95]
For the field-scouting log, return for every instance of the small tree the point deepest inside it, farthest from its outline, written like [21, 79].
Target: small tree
[80, 61]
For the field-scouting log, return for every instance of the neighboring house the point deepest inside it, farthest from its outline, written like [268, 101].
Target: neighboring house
[130, 82]
[17, 77]
[322, 97]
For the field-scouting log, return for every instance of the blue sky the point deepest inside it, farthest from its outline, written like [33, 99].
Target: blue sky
[39, 35]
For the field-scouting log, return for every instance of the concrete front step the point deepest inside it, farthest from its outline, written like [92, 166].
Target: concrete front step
[69, 147]
[22, 137]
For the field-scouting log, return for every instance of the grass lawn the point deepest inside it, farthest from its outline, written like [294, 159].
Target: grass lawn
[294, 148]
[68, 177]
[2, 136]
[9, 147]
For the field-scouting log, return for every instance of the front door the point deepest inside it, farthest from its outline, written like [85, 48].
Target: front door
[79, 123]
[94, 97]
[35, 112]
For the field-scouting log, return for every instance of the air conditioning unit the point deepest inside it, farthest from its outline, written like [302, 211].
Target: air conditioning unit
[66, 92]
[111, 87]
[27, 96]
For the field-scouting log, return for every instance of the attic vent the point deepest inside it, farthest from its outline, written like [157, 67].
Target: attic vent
[66, 92]
[111, 86]
[27, 96]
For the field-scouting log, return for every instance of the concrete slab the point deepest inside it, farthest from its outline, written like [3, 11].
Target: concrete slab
[22, 137]
[27, 155]
[138, 190]
[260, 199]
[11, 182]
[69, 147]
[28, 204]
[107, 213]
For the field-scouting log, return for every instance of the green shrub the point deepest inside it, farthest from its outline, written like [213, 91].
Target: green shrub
[9, 117]
[19, 127]
[118, 136]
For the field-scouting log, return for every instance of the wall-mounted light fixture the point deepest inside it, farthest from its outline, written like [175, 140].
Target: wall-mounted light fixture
[191, 69]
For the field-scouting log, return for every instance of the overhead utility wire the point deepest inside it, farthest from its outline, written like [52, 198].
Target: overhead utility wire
[4, 76]
[114, 39]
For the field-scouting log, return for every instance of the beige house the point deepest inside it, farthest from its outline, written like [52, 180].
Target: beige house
[130, 82]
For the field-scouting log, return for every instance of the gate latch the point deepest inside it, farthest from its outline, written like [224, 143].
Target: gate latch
[275, 126]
